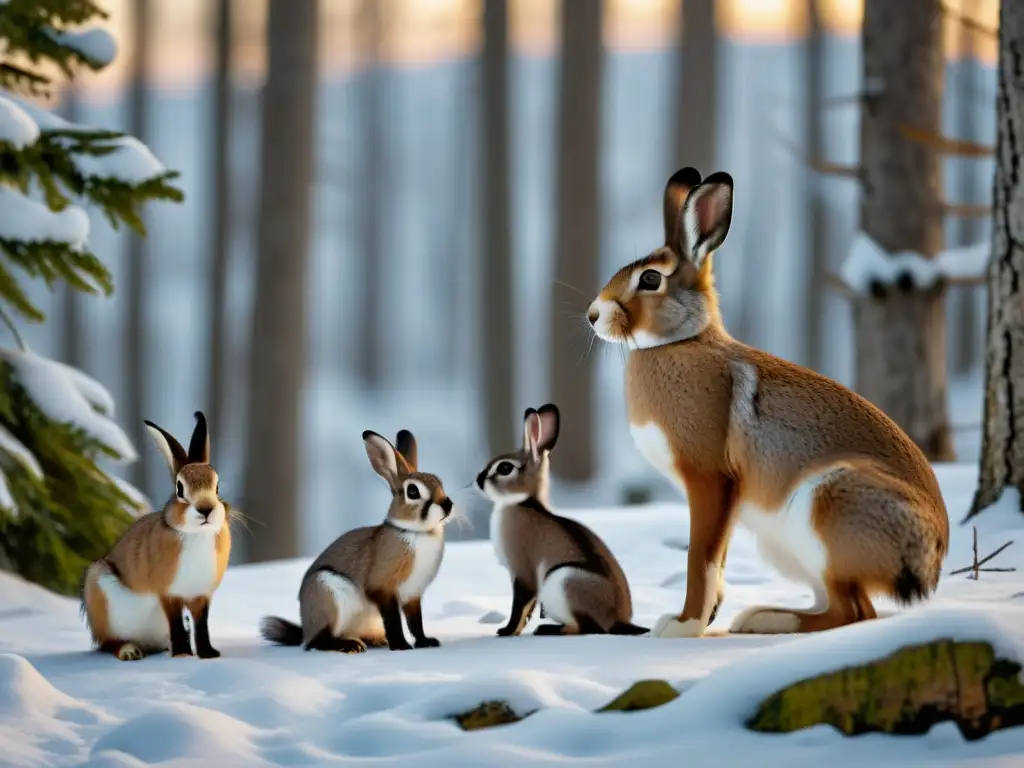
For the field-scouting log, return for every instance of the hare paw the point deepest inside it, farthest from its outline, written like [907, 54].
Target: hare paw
[669, 626]
[129, 652]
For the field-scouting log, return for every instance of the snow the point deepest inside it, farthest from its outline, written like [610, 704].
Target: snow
[16, 127]
[14, 448]
[257, 705]
[868, 262]
[29, 221]
[68, 396]
[143, 504]
[95, 45]
[131, 161]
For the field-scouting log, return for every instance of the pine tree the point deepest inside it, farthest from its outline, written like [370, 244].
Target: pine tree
[59, 508]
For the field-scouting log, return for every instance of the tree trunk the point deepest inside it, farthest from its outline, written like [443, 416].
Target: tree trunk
[696, 116]
[1002, 446]
[278, 349]
[72, 348]
[498, 342]
[135, 322]
[220, 162]
[578, 241]
[901, 331]
[964, 316]
[370, 338]
[817, 211]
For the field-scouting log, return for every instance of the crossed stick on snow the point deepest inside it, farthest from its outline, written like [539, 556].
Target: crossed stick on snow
[975, 568]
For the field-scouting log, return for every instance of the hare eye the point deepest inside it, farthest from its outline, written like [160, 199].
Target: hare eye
[650, 280]
[181, 491]
[412, 492]
[505, 468]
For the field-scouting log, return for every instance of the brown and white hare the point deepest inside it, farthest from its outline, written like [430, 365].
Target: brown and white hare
[837, 495]
[550, 558]
[165, 562]
[351, 595]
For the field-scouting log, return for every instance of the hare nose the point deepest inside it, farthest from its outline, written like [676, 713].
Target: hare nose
[446, 505]
[205, 511]
[593, 315]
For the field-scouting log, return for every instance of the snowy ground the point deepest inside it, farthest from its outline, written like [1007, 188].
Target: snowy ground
[62, 705]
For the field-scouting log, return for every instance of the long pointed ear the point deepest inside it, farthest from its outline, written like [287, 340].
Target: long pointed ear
[171, 449]
[383, 457]
[707, 215]
[405, 442]
[676, 190]
[199, 445]
[550, 420]
[527, 435]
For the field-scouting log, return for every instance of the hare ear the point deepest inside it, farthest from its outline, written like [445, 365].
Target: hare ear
[527, 426]
[676, 190]
[707, 215]
[383, 457]
[405, 442]
[199, 445]
[171, 449]
[549, 419]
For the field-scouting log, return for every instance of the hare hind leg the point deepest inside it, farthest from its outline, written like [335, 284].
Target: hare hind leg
[844, 603]
[331, 607]
[123, 623]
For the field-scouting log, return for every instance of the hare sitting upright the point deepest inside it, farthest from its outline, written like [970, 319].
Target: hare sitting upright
[352, 594]
[836, 493]
[563, 563]
[165, 562]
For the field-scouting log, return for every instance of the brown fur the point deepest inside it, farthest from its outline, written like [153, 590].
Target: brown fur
[377, 562]
[146, 560]
[534, 540]
[746, 427]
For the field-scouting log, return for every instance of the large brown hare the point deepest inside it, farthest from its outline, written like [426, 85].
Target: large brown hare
[837, 495]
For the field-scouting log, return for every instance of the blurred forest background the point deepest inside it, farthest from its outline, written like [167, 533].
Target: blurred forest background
[442, 187]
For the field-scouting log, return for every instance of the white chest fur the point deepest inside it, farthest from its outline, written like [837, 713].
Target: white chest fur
[426, 550]
[497, 516]
[197, 565]
[654, 446]
[786, 537]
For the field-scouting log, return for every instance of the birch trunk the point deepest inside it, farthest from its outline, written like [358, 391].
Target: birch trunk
[1002, 448]
[696, 116]
[901, 331]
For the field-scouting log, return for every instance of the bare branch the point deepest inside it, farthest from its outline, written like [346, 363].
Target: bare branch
[974, 569]
[972, 24]
[836, 284]
[966, 210]
[817, 164]
[945, 145]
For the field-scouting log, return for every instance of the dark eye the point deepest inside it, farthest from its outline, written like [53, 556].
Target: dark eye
[412, 492]
[217, 490]
[505, 468]
[650, 280]
[181, 491]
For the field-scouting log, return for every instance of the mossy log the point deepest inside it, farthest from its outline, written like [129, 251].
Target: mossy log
[905, 693]
[644, 694]
[487, 715]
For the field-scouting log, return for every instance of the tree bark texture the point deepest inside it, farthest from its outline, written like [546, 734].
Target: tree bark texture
[72, 338]
[135, 322]
[577, 240]
[498, 341]
[901, 331]
[220, 162]
[696, 116]
[1002, 447]
[278, 350]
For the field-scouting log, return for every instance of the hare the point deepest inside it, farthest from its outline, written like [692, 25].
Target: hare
[351, 594]
[166, 561]
[837, 495]
[563, 563]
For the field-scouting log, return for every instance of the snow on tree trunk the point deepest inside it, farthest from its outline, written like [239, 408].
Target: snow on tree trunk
[278, 347]
[577, 244]
[1002, 448]
[498, 344]
[901, 329]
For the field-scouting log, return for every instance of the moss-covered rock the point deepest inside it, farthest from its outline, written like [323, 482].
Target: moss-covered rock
[907, 692]
[487, 715]
[644, 694]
